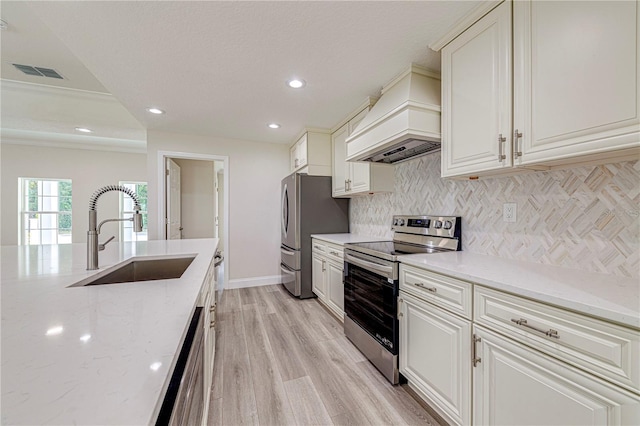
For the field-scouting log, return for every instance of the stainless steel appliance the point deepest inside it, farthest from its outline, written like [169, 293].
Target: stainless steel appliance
[184, 401]
[307, 208]
[371, 284]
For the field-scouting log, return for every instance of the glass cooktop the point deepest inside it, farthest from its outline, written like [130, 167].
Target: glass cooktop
[389, 250]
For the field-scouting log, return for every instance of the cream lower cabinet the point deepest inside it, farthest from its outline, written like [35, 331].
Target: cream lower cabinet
[318, 272]
[484, 357]
[327, 270]
[208, 303]
[434, 357]
[516, 385]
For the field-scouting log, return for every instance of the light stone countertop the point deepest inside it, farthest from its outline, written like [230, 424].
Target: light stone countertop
[609, 297]
[92, 355]
[347, 238]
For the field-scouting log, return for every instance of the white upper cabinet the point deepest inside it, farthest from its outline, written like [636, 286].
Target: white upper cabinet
[573, 96]
[575, 79]
[311, 153]
[340, 165]
[353, 178]
[476, 97]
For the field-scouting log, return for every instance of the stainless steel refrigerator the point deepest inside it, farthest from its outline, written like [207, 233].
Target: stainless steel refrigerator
[307, 208]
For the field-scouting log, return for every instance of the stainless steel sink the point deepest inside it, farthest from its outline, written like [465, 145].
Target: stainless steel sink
[141, 269]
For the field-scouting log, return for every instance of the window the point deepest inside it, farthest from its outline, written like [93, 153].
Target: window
[126, 208]
[45, 211]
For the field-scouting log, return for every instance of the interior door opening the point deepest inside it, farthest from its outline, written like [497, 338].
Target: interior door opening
[193, 199]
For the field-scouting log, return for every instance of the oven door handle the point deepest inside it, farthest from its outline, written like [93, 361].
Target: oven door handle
[386, 270]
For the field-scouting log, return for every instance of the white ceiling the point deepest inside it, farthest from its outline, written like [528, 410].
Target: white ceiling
[219, 68]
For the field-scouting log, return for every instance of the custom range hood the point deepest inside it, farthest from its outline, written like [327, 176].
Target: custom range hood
[403, 124]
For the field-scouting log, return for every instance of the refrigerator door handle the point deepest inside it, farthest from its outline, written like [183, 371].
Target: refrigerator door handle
[287, 252]
[284, 268]
[285, 210]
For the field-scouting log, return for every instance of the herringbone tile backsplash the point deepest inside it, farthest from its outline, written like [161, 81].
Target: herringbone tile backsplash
[583, 218]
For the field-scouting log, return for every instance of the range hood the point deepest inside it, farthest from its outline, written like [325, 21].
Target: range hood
[403, 124]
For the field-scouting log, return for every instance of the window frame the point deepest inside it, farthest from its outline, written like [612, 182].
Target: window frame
[127, 213]
[23, 210]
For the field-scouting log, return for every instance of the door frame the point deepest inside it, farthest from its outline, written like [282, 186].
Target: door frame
[162, 196]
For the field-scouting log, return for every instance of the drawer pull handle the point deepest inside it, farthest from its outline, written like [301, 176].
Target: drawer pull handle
[212, 324]
[523, 322]
[431, 289]
[335, 253]
[318, 247]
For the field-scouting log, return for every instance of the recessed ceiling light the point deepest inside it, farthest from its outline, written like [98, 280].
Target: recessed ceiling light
[85, 338]
[155, 366]
[274, 126]
[155, 110]
[83, 130]
[296, 83]
[54, 330]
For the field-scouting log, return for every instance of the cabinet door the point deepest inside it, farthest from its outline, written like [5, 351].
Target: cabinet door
[302, 151]
[476, 97]
[292, 157]
[575, 78]
[360, 177]
[435, 356]
[335, 287]
[318, 284]
[516, 385]
[340, 165]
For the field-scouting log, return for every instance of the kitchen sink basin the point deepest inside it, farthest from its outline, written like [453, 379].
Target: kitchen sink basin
[140, 269]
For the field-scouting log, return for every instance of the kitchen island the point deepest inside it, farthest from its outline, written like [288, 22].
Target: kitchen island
[99, 354]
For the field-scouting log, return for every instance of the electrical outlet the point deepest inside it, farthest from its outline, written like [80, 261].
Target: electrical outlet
[509, 212]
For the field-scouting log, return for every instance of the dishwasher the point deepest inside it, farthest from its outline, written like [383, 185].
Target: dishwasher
[184, 401]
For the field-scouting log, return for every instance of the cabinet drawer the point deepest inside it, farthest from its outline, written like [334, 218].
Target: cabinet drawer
[449, 293]
[607, 350]
[335, 252]
[318, 247]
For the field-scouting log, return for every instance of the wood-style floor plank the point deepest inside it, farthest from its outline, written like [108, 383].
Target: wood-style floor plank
[215, 412]
[286, 354]
[239, 405]
[281, 360]
[271, 398]
[309, 409]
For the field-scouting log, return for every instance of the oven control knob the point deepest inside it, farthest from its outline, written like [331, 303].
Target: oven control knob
[395, 222]
[437, 224]
[401, 222]
[447, 224]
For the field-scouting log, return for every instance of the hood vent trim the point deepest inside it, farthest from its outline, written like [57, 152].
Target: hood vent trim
[405, 150]
[403, 124]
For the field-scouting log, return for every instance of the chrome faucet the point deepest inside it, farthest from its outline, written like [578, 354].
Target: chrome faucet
[93, 247]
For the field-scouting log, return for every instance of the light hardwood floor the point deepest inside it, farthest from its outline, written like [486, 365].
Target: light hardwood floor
[284, 361]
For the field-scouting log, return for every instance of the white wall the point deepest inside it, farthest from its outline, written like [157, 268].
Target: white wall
[255, 172]
[88, 170]
[197, 198]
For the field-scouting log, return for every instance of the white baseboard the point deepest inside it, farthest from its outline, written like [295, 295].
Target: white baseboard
[252, 282]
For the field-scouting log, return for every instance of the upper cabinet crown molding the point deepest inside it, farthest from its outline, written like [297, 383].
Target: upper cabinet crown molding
[369, 102]
[465, 22]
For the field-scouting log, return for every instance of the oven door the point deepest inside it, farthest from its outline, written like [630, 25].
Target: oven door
[370, 297]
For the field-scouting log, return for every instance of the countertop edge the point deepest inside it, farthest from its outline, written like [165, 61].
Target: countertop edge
[608, 315]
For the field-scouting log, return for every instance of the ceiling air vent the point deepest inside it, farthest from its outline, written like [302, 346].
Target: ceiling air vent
[38, 71]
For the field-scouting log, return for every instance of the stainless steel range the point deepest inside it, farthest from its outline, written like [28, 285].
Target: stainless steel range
[371, 284]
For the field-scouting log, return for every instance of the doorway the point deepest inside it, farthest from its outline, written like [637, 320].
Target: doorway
[193, 193]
